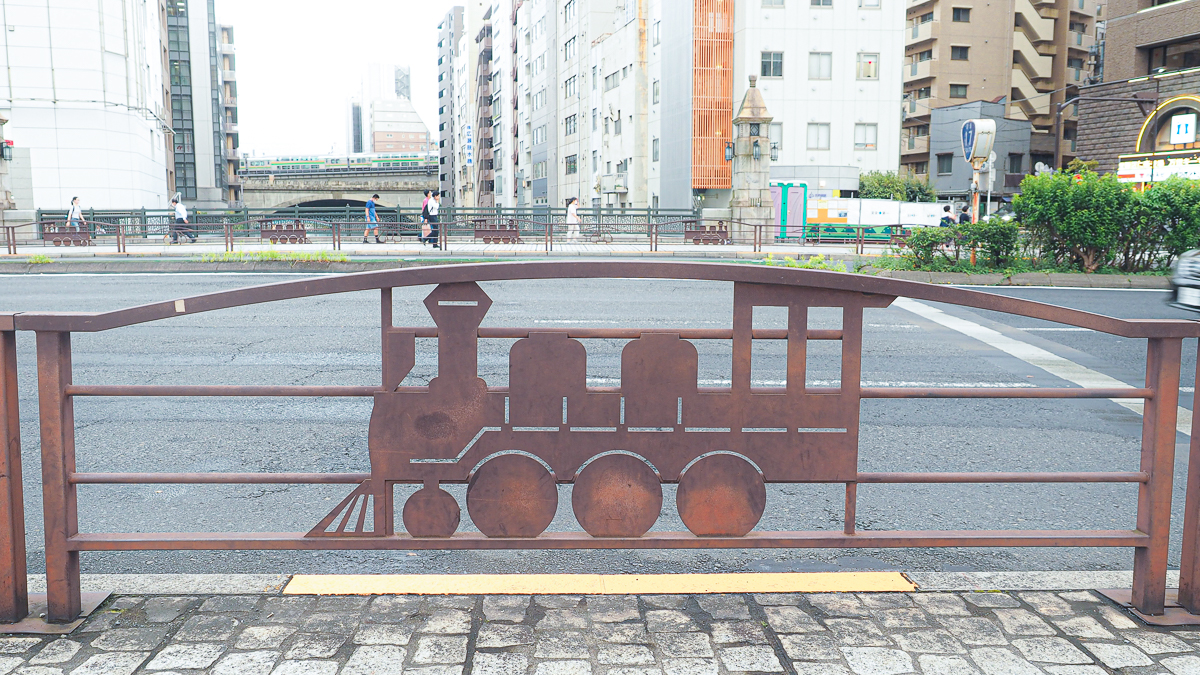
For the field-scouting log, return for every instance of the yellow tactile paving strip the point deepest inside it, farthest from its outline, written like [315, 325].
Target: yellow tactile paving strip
[594, 584]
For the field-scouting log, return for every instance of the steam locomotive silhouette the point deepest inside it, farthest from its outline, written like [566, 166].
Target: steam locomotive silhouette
[616, 446]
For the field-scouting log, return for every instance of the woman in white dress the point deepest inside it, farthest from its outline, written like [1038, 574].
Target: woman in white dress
[573, 218]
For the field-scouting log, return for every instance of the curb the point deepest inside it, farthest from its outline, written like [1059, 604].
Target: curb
[1030, 279]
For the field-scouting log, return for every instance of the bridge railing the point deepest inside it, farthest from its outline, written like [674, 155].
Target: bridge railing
[459, 430]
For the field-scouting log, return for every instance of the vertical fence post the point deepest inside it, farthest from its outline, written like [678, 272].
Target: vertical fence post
[1189, 563]
[58, 462]
[228, 237]
[14, 595]
[1158, 460]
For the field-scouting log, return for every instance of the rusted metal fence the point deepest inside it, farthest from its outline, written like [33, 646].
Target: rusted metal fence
[512, 445]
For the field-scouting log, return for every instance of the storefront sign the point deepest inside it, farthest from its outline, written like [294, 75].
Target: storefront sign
[1183, 128]
[1149, 169]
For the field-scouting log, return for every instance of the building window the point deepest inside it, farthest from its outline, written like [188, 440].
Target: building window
[654, 150]
[945, 163]
[821, 3]
[923, 92]
[772, 3]
[595, 161]
[617, 124]
[595, 119]
[1016, 163]
[606, 124]
[539, 135]
[569, 89]
[776, 134]
[961, 14]
[868, 66]
[655, 89]
[568, 11]
[820, 65]
[569, 126]
[612, 81]
[1176, 56]
[539, 99]
[926, 55]
[569, 49]
[959, 53]
[919, 167]
[924, 18]
[772, 64]
[868, 4]
[656, 33]
[818, 136]
[539, 170]
[865, 136]
[958, 91]
[572, 163]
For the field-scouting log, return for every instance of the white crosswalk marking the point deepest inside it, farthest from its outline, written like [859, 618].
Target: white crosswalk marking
[1036, 356]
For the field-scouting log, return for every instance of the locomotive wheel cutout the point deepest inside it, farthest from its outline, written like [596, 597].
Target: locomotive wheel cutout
[721, 496]
[431, 512]
[512, 496]
[617, 496]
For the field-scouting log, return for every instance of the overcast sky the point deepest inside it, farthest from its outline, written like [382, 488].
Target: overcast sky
[298, 61]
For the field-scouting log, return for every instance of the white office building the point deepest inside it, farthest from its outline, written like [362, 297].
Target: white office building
[85, 104]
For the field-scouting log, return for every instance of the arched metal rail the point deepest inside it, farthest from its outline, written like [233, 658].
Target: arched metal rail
[816, 439]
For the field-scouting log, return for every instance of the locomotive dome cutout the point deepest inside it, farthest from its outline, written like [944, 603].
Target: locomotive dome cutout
[617, 445]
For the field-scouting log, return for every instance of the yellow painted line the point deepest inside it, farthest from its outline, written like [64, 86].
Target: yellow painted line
[595, 584]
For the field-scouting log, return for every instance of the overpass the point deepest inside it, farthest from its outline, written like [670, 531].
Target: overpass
[401, 188]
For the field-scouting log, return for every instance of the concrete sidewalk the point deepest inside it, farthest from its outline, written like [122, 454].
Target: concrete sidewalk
[934, 632]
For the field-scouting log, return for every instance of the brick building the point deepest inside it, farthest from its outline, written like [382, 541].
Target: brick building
[1151, 53]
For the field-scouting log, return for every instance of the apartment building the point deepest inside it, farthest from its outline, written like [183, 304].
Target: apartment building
[449, 32]
[229, 123]
[624, 121]
[1030, 55]
[1152, 58]
[381, 117]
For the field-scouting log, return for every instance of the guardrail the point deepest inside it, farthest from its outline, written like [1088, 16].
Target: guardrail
[720, 445]
[648, 230]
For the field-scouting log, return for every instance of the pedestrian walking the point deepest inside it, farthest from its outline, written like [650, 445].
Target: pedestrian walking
[372, 219]
[947, 217]
[432, 208]
[75, 218]
[426, 229]
[573, 219]
[181, 225]
[964, 218]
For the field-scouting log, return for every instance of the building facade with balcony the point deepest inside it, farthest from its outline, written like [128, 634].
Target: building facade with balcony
[1028, 55]
[449, 32]
[231, 157]
[1141, 121]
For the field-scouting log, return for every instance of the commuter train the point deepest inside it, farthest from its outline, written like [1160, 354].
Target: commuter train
[514, 445]
[339, 164]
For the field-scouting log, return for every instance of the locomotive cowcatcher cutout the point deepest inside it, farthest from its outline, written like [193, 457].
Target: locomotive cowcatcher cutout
[616, 445]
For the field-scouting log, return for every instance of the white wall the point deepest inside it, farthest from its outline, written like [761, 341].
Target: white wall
[82, 89]
[844, 29]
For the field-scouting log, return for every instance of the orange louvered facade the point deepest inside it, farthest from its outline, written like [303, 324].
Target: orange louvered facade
[712, 93]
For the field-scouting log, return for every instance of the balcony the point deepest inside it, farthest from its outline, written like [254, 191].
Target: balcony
[229, 101]
[1082, 7]
[917, 3]
[231, 154]
[1035, 65]
[614, 182]
[230, 127]
[1030, 103]
[225, 48]
[922, 32]
[1037, 28]
[1080, 41]
[233, 180]
[918, 70]
[228, 75]
[915, 145]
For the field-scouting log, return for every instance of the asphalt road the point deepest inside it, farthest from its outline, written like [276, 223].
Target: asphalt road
[335, 340]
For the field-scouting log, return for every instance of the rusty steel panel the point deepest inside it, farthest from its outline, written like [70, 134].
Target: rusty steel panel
[512, 496]
[617, 496]
[1189, 562]
[58, 463]
[721, 496]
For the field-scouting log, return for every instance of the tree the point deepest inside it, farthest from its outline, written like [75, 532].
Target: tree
[1084, 222]
[888, 185]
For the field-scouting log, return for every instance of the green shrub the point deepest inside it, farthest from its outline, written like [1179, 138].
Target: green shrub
[39, 259]
[1081, 223]
[997, 240]
[272, 255]
[817, 262]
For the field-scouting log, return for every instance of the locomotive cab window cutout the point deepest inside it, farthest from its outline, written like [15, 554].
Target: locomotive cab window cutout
[512, 446]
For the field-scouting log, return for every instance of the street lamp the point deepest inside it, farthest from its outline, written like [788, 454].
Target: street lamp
[729, 151]
[774, 152]
[757, 151]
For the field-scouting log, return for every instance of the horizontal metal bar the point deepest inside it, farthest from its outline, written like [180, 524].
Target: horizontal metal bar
[217, 478]
[1005, 477]
[235, 541]
[628, 333]
[1002, 392]
[213, 390]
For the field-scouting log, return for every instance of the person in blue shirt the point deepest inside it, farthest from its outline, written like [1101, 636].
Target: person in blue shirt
[372, 219]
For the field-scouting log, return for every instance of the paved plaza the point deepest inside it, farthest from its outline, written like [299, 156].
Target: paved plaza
[935, 633]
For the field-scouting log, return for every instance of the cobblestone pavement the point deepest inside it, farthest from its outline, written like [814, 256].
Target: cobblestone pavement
[1063, 633]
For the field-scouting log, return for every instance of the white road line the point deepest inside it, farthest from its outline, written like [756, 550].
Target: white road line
[1036, 356]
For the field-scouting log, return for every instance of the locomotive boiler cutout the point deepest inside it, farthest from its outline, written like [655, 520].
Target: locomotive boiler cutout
[617, 445]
